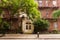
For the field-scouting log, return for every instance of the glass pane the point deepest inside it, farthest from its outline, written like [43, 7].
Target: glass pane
[47, 12]
[40, 3]
[55, 25]
[54, 3]
[29, 27]
[46, 2]
[26, 27]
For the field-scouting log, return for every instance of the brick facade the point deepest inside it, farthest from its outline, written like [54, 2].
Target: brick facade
[46, 9]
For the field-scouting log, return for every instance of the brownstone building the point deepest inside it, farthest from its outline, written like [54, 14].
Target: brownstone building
[46, 8]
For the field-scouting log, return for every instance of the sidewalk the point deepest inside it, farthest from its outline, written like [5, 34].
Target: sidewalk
[31, 36]
[19, 36]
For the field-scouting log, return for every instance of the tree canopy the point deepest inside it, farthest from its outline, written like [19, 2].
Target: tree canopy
[31, 8]
[28, 6]
[56, 14]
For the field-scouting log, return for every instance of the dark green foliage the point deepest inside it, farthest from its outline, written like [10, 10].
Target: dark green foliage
[0, 20]
[56, 14]
[0, 11]
[6, 25]
[41, 25]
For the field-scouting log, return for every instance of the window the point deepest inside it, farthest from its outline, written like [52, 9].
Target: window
[28, 26]
[55, 25]
[54, 3]
[47, 12]
[40, 2]
[46, 2]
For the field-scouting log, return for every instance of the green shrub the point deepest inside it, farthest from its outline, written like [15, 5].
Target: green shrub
[4, 27]
[55, 32]
[41, 25]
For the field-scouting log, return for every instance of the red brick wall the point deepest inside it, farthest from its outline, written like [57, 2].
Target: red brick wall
[51, 9]
[59, 24]
[51, 25]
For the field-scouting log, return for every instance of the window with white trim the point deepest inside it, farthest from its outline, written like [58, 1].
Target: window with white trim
[54, 2]
[40, 2]
[28, 26]
[55, 25]
[46, 2]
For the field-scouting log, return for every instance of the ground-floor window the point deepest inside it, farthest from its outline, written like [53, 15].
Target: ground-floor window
[55, 25]
[28, 26]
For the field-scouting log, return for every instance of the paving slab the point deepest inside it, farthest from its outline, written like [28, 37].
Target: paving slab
[30, 37]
